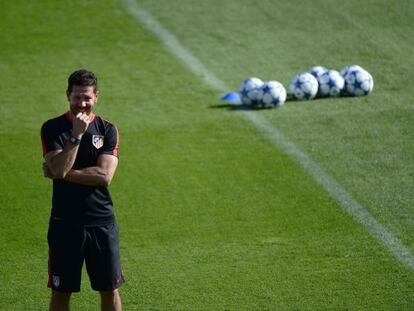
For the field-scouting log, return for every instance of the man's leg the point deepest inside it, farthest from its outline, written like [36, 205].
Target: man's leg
[111, 300]
[59, 301]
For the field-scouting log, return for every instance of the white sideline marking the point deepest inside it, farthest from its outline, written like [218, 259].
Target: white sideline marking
[352, 207]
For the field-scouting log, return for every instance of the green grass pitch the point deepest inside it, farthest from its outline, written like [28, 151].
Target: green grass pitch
[212, 215]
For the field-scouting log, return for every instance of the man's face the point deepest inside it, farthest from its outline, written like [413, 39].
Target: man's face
[82, 99]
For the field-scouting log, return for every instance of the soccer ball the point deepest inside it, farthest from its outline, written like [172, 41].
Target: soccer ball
[249, 89]
[271, 94]
[331, 83]
[359, 82]
[304, 86]
[344, 72]
[316, 71]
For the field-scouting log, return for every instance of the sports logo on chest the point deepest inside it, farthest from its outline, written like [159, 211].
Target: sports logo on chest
[97, 141]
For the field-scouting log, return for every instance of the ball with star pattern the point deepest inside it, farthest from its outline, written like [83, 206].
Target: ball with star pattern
[331, 83]
[316, 71]
[304, 86]
[347, 69]
[358, 82]
[271, 94]
[249, 89]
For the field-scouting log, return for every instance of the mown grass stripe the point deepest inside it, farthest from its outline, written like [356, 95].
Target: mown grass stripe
[345, 199]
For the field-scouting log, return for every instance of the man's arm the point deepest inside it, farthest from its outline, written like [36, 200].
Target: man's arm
[99, 175]
[60, 162]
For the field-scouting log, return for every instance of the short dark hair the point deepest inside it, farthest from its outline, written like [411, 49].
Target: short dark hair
[82, 77]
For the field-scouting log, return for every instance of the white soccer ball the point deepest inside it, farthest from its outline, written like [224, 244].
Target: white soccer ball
[331, 83]
[359, 82]
[304, 86]
[271, 94]
[316, 71]
[249, 89]
[344, 72]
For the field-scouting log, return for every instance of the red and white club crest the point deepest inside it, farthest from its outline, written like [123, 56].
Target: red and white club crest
[97, 141]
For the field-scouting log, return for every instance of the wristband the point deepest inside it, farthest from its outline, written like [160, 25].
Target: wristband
[74, 140]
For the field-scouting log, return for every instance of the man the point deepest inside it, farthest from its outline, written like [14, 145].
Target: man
[80, 150]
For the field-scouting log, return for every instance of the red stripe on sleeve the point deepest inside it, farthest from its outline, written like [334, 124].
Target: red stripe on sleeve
[49, 270]
[115, 151]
